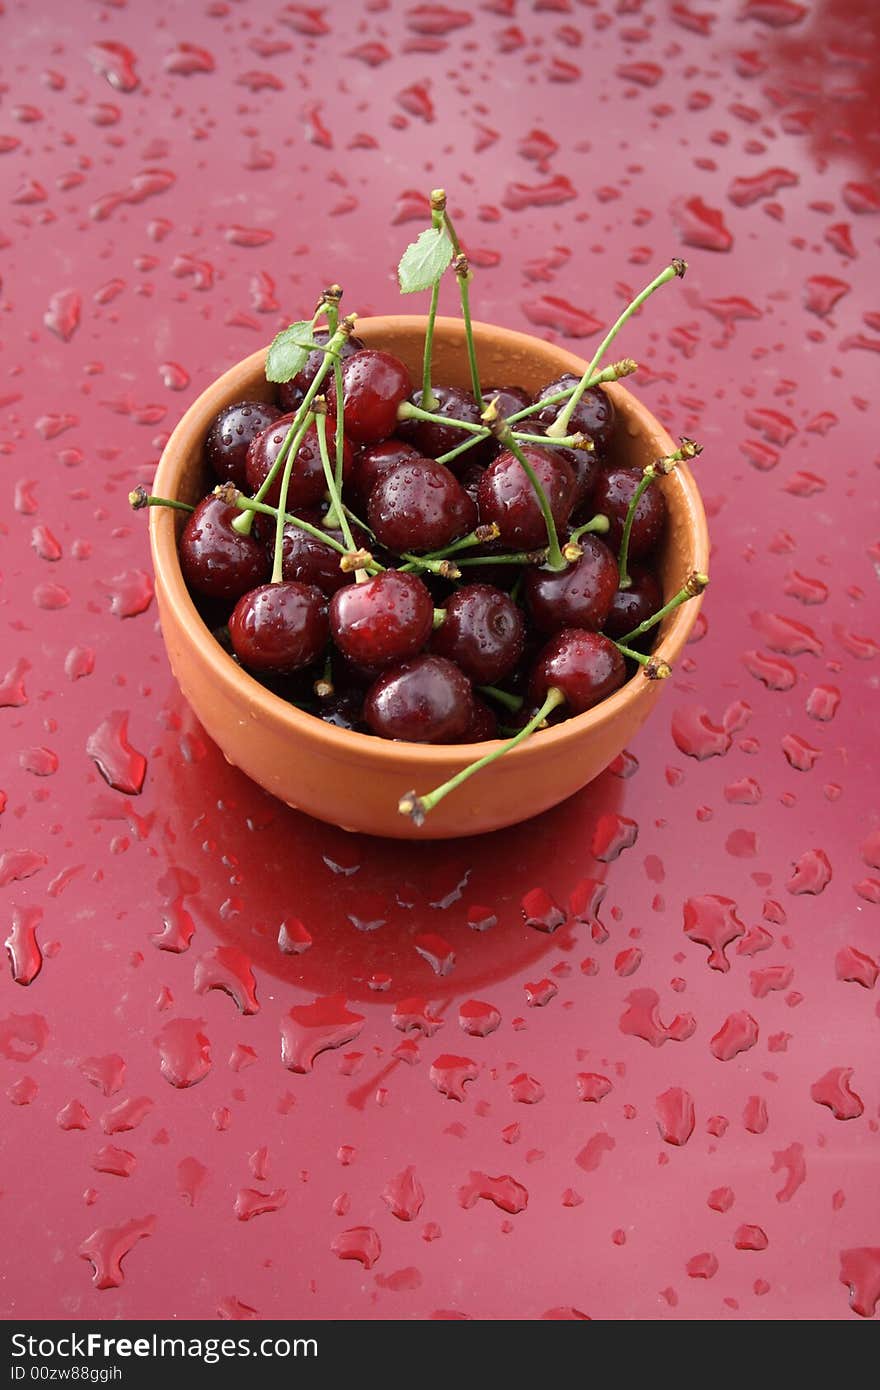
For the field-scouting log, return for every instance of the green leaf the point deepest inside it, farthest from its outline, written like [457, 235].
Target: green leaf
[424, 261]
[289, 351]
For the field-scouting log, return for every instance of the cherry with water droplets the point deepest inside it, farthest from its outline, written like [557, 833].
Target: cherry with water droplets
[585, 666]
[506, 496]
[307, 559]
[230, 435]
[307, 481]
[432, 439]
[593, 415]
[612, 495]
[214, 558]
[635, 605]
[279, 628]
[373, 385]
[386, 619]
[290, 393]
[373, 461]
[483, 633]
[425, 700]
[578, 596]
[420, 506]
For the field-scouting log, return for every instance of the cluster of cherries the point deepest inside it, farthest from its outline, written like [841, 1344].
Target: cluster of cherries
[449, 576]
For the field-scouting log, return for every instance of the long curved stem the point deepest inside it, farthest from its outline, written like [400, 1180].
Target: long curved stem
[561, 424]
[417, 807]
[555, 559]
[293, 450]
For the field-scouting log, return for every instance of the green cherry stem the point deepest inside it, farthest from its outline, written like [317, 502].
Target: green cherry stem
[429, 400]
[687, 450]
[574, 441]
[139, 497]
[596, 526]
[652, 667]
[480, 536]
[463, 275]
[693, 585]
[555, 558]
[417, 807]
[233, 498]
[522, 557]
[332, 484]
[244, 522]
[561, 424]
[613, 373]
[293, 450]
[407, 411]
[512, 702]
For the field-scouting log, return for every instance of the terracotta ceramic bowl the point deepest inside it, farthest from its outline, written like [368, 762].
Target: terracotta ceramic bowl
[355, 780]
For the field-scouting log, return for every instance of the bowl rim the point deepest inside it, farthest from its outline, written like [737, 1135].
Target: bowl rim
[346, 743]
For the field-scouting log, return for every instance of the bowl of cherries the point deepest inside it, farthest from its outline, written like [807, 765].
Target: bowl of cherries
[420, 576]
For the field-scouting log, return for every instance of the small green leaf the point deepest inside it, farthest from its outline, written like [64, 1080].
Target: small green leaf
[289, 351]
[424, 261]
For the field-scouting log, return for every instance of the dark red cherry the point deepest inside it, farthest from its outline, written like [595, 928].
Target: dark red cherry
[309, 561]
[373, 384]
[384, 620]
[214, 559]
[506, 496]
[373, 461]
[585, 666]
[578, 596]
[483, 724]
[585, 464]
[230, 435]
[290, 393]
[593, 415]
[420, 506]
[345, 709]
[470, 478]
[426, 700]
[612, 495]
[483, 632]
[634, 605]
[510, 401]
[431, 439]
[307, 482]
[279, 627]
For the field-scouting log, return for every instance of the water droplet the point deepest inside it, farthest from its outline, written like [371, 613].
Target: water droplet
[860, 1269]
[594, 1151]
[478, 1019]
[833, 1089]
[700, 225]
[702, 1266]
[641, 1019]
[117, 1162]
[228, 969]
[450, 1074]
[360, 1243]
[310, 1029]
[504, 1192]
[856, 967]
[811, 874]
[404, 1195]
[675, 1116]
[791, 1162]
[738, 1033]
[184, 1052]
[105, 1073]
[25, 956]
[108, 1246]
[250, 1203]
[712, 921]
[541, 912]
[122, 766]
[755, 1115]
[191, 1178]
[525, 1089]
[750, 1238]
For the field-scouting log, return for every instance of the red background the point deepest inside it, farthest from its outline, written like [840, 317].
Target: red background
[179, 180]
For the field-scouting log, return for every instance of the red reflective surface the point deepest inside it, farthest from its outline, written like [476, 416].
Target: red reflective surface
[619, 1062]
